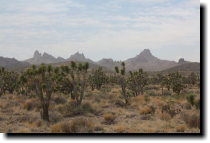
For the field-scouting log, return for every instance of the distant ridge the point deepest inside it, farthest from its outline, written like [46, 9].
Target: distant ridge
[46, 58]
[77, 57]
[145, 60]
[185, 67]
[12, 64]
[148, 62]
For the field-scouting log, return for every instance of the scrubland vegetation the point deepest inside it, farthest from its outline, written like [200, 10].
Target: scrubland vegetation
[75, 99]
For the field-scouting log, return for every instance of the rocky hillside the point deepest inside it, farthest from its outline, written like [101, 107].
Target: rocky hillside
[12, 64]
[46, 58]
[145, 60]
[148, 62]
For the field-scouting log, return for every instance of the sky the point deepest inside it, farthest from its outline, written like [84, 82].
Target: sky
[117, 29]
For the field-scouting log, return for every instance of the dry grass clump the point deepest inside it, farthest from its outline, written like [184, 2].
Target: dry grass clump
[147, 110]
[55, 116]
[152, 93]
[23, 130]
[139, 100]
[121, 129]
[72, 109]
[180, 128]
[191, 119]
[109, 118]
[165, 116]
[79, 125]
[31, 104]
[60, 100]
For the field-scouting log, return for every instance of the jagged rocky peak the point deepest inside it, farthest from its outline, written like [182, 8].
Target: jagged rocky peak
[79, 54]
[37, 54]
[182, 61]
[145, 52]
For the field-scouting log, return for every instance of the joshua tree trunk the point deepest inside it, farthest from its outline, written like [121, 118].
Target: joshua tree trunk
[162, 90]
[45, 114]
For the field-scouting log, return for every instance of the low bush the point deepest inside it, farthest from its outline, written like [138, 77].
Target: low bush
[147, 110]
[165, 116]
[180, 128]
[72, 109]
[59, 100]
[191, 119]
[109, 118]
[152, 93]
[79, 125]
[31, 104]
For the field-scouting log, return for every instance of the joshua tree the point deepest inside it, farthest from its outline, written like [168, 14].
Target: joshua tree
[192, 78]
[8, 81]
[137, 81]
[177, 82]
[97, 79]
[74, 80]
[121, 80]
[41, 80]
[1, 81]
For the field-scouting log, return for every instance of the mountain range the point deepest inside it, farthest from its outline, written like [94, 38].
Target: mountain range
[144, 60]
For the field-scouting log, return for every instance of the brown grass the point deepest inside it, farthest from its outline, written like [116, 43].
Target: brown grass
[191, 119]
[180, 128]
[146, 110]
[31, 104]
[165, 116]
[121, 128]
[79, 125]
[109, 118]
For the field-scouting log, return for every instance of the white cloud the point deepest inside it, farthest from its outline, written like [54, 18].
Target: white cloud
[56, 27]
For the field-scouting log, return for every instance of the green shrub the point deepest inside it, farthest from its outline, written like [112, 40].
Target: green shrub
[191, 99]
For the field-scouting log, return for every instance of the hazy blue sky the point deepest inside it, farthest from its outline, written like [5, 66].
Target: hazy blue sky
[117, 29]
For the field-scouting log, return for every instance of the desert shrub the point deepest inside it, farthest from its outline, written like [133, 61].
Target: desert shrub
[197, 104]
[146, 98]
[98, 128]
[146, 117]
[180, 128]
[191, 119]
[166, 93]
[151, 87]
[191, 99]
[187, 106]
[55, 116]
[79, 125]
[172, 108]
[59, 100]
[147, 110]
[121, 129]
[165, 116]
[109, 118]
[119, 103]
[73, 109]
[31, 104]
[152, 93]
